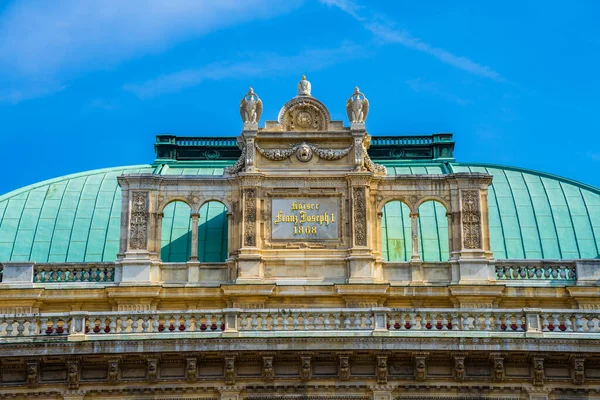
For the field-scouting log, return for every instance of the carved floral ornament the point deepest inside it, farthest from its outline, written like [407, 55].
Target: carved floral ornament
[304, 152]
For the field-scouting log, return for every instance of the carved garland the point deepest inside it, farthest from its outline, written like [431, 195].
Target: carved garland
[250, 217]
[471, 219]
[304, 152]
[377, 169]
[239, 164]
[138, 229]
[360, 217]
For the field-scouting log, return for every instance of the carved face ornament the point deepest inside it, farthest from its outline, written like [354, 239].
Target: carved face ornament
[304, 153]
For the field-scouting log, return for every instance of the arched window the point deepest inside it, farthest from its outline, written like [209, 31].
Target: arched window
[395, 232]
[212, 232]
[176, 233]
[433, 232]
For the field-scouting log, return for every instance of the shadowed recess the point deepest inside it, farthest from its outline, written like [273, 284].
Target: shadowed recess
[212, 232]
[176, 233]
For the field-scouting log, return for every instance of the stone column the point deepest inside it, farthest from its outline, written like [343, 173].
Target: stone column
[414, 229]
[249, 259]
[194, 244]
[361, 259]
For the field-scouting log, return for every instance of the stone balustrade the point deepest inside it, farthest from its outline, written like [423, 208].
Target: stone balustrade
[304, 322]
[62, 273]
[564, 271]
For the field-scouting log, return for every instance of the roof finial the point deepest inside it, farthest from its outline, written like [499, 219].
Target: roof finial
[304, 87]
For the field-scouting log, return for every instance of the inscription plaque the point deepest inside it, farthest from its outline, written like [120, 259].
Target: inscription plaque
[305, 218]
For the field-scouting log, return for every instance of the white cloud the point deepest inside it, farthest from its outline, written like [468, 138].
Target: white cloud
[383, 30]
[49, 40]
[421, 86]
[265, 64]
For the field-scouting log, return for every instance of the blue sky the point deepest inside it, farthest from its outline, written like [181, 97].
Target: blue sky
[88, 84]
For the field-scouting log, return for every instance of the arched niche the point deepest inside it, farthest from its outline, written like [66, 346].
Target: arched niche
[396, 243]
[176, 232]
[212, 232]
[433, 232]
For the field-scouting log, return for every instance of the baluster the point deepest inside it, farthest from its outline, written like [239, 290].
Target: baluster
[591, 325]
[32, 326]
[124, 323]
[530, 272]
[326, 322]
[85, 276]
[455, 323]
[102, 325]
[523, 272]
[336, 322]
[254, 322]
[110, 274]
[578, 323]
[112, 326]
[487, 317]
[561, 271]
[187, 322]
[145, 324]
[263, 322]
[413, 320]
[465, 322]
[555, 322]
[519, 321]
[134, 323]
[94, 274]
[101, 274]
[357, 320]
[20, 326]
[538, 272]
[346, 321]
[9, 327]
[545, 323]
[392, 321]
[155, 324]
[568, 323]
[554, 272]
[306, 321]
[368, 321]
[497, 323]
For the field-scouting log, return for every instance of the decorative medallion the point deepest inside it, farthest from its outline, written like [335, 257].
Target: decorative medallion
[304, 153]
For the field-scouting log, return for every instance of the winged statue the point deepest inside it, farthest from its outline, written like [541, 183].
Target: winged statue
[357, 107]
[250, 107]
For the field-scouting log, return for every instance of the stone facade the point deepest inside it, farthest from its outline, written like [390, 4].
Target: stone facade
[305, 305]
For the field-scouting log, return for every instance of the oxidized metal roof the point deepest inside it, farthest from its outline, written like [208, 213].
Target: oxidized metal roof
[76, 218]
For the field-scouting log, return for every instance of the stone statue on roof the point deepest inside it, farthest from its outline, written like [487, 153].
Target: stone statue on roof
[303, 87]
[357, 107]
[250, 107]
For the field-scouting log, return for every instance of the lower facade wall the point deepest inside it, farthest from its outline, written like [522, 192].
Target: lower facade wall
[357, 375]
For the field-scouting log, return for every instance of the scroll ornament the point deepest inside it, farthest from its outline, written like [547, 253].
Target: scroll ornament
[304, 152]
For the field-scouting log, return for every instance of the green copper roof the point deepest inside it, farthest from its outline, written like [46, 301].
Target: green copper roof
[76, 218]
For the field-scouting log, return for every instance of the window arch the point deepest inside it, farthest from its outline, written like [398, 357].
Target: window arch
[176, 233]
[433, 232]
[212, 232]
[396, 241]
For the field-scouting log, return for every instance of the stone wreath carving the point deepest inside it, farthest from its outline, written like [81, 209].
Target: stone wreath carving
[304, 152]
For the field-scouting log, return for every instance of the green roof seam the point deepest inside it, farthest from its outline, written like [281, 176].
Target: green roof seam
[75, 217]
[535, 172]
[499, 213]
[537, 227]
[67, 177]
[62, 196]
[92, 219]
[19, 225]
[552, 215]
[590, 221]
[562, 190]
[512, 196]
[37, 223]
[108, 223]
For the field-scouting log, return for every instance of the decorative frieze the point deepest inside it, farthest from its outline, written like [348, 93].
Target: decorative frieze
[471, 219]
[250, 217]
[360, 216]
[138, 228]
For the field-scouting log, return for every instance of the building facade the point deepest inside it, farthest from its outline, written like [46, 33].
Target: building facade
[302, 260]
